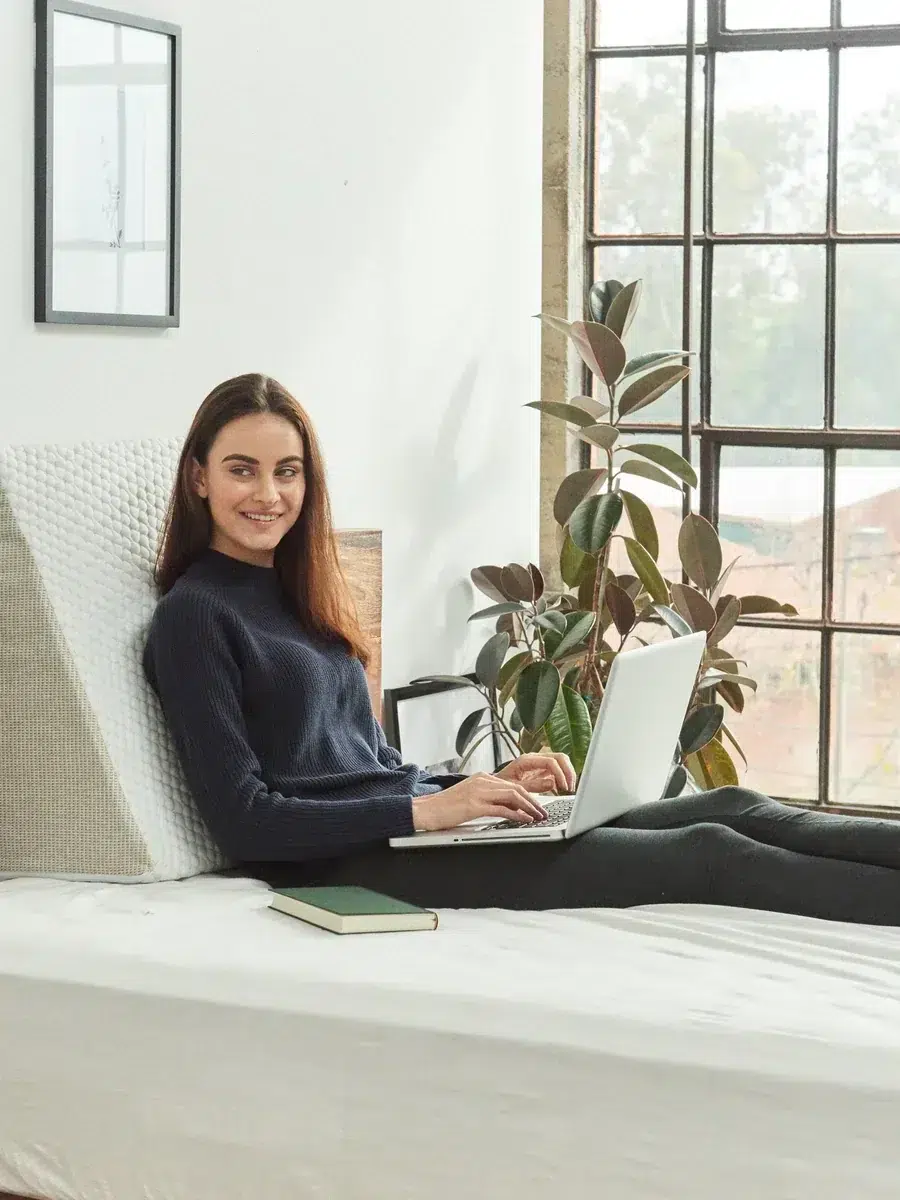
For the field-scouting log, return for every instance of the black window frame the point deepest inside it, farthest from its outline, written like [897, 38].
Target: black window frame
[831, 437]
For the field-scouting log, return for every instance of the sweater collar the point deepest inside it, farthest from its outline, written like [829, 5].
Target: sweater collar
[226, 569]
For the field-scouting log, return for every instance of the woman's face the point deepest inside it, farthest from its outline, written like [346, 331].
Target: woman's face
[254, 483]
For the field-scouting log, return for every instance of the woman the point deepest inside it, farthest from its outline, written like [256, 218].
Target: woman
[258, 661]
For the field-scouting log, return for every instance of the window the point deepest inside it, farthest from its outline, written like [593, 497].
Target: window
[744, 161]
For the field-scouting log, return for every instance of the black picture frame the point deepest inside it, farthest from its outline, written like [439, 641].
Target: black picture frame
[414, 691]
[45, 310]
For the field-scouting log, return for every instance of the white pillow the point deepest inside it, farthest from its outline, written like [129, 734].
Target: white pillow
[90, 786]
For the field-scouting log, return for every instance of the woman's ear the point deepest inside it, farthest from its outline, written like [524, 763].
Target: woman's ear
[198, 479]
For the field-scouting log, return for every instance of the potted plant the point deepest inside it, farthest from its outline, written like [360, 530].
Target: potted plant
[542, 672]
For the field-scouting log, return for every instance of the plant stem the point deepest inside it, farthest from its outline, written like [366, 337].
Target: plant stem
[498, 719]
[589, 679]
[529, 641]
[540, 635]
[520, 626]
[510, 741]
[471, 750]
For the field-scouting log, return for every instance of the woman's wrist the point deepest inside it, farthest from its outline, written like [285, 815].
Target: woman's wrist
[419, 813]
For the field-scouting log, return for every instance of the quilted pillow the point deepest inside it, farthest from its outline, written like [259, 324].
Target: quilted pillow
[90, 786]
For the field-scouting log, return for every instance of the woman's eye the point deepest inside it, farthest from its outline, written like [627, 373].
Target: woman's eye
[284, 472]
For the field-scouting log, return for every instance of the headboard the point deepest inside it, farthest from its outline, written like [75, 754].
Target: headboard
[360, 554]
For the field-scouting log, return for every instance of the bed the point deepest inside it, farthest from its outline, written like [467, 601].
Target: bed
[182, 1040]
[173, 1039]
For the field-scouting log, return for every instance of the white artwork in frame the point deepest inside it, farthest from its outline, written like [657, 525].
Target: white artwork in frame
[425, 723]
[107, 167]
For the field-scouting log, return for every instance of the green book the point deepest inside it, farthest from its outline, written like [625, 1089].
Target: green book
[351, 910]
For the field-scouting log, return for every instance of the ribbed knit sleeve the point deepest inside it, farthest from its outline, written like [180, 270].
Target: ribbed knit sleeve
[191, 663]
[388, 756]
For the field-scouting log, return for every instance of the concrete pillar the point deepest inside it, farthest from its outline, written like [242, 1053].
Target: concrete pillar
[563, 246]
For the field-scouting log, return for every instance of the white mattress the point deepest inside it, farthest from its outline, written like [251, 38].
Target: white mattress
[178, 1040]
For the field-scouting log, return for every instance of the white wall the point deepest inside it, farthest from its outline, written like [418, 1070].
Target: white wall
[361, 219]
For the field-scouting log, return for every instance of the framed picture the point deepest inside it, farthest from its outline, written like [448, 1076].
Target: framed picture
[421, 721]
[107, 167]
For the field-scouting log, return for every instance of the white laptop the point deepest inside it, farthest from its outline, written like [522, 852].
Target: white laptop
[628, 760]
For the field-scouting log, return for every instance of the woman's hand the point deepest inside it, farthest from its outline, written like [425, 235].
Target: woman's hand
[542, 772]
[480, 795]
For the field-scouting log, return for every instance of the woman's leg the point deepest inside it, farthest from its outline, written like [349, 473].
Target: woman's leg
[608, 867]
[825, 835]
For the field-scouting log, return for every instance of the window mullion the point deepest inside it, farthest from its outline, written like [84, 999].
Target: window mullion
[827, 647]
[831, 230]
[825, 662]
[710, 455]
[710, 462]
[687, 269]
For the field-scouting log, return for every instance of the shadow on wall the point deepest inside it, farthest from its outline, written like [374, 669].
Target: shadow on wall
[447, 479]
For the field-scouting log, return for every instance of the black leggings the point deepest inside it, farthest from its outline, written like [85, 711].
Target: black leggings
[729, 846]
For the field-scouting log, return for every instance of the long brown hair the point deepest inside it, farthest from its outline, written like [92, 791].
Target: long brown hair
[306, 558]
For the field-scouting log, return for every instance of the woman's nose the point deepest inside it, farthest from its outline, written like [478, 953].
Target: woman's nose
[266, 491]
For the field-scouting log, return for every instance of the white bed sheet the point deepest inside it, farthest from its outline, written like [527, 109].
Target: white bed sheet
[179, 1040]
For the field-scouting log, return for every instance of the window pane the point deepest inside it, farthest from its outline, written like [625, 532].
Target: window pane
[638, 181]
[86, 280]
[145, 282]
[868, 348]
[870, 12]
[779, 727]
[78, 41]
[657, 325]
[86, 166]
[643, 22]
[770, 513]
[664, 503]
[771, 140]
[865, 756]
[768, 335]
[639, 160]
[867, 537]
[777, 14]
[869, 140]
[144, 46]
[146, 166]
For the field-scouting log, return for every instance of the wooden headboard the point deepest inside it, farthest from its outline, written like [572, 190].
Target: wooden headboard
[360, 555]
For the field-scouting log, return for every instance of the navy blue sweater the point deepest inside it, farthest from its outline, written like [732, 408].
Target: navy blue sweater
[274, 727]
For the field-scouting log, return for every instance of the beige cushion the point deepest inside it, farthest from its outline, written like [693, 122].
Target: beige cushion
[89, 783]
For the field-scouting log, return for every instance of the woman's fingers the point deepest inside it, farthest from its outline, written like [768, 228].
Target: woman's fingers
[525, 799]
[541, 781]
[518, 795]
[511, 793]
[508, 814]
[557, 765]
[565, 764]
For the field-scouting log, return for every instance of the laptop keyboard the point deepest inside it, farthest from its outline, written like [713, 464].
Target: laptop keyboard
[557, 814]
